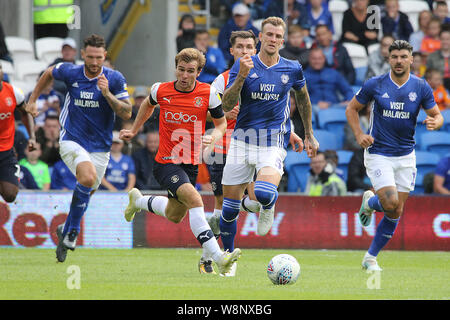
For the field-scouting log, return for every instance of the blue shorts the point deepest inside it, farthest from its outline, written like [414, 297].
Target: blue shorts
[9, 168]
[171, 176]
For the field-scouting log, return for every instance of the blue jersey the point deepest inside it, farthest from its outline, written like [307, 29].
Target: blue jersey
[117, 171]
[62, 177]
[394, 112]
[86, 117]
[263, 118]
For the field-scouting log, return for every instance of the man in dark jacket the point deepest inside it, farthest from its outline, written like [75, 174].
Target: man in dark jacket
[396, 23]
[144, 159]
[295, 48]
[336, 54]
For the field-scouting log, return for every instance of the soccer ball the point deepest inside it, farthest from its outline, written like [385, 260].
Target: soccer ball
[283, 269]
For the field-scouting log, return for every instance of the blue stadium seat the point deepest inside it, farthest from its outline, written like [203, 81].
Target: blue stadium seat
[300, 171]
[295, 159]
[360, 75]
[333, 120]
[344, 157]
[425, 162]
[421, 128]
[327, 140]
[436, 141]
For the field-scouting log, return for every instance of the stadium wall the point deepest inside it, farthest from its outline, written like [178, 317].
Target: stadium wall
[300, 222]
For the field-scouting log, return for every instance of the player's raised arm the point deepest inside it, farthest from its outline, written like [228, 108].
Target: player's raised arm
[351, 112]
[231, 95]
[121, 107]
[305, 109]
[434, 119]
[145, 111]
[42, 83]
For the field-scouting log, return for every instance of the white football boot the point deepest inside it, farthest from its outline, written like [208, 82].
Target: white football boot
[365, 212]
[265, 221]
[131, 209]
[227, 260]
[370, 263]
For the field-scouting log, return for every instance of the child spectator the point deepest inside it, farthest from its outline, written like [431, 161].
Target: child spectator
[431, 42]
[318, 14]
[38, 168]
[435, 80]
[418, 68]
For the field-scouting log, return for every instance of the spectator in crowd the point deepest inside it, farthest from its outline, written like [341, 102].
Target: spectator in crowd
[296, 119]
[48, 138]
[441, 183]
[120, 173]
[186, 32]
[215, 61]
[295, 48]
[439, 59]
[68, 55]
[48, 104]
[357, 180]
[318, 14]
[51, 18]
[4, 53]
[350, 142]
[256, 9]
[434, 79]
[415, 39]
[332, 158]
[62, 178]
[441, 11]
[130, 147]
[139, 95]
[240, 21]
[108, 63]
[431, 42]
[322, 180]
[336, 54]
[296, 12]
[144, 160]
[356, 27]
[378, 63]
[418, 67]
[38, 168]
[20, 142]
[324, 83]
[395, 22]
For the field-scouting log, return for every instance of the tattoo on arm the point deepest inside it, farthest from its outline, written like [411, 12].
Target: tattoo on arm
[304, 108]
[232, 94]
[121, 107]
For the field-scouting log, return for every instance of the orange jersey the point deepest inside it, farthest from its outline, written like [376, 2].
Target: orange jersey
[10, 97]
[441, 97]
[220, 83]
[182, 120]
[430, 45]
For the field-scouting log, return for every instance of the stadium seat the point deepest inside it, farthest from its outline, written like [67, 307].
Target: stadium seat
[327, 140]
[425, 162]
[412, 8]
[295, 159]
[26, 87]
[299, 173]
[48, 48]
[21, 49]
[360, 75]
[421, 127]
[344, 157]
[29, 70]
[337, 9]
[357, 53]
[8, 68]
[446, 125]
[436, 141]
[333, 120]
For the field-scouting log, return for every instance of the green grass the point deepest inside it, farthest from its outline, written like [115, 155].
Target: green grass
[172, 274]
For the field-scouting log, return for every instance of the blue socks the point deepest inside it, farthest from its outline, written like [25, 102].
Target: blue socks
[228, 223]
[384, 233]
[375, 203]
[80, 200]
[266, 193]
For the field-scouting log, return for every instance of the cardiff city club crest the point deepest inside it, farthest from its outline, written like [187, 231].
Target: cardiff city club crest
[284, 78]
[198, 101]
[412, 96]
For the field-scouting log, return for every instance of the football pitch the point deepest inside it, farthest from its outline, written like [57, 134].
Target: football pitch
[171, 274]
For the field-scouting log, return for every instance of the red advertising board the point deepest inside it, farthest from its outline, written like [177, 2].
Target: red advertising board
[321, 223]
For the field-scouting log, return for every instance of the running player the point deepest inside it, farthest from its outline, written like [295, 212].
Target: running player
[96, 94]
[261, 83]
[242, 43]
[389, 155]
[184, 105]
[11, 97]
